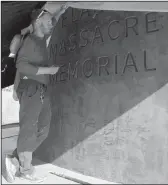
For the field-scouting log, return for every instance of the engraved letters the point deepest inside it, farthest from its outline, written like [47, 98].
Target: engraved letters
[84, 37]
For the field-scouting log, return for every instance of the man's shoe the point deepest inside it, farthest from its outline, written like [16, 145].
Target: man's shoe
[11, 169]
[32, 178]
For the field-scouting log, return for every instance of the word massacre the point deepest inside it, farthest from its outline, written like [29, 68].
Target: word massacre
[80, 39]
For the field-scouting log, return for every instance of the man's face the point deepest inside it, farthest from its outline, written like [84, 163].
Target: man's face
[46, 24]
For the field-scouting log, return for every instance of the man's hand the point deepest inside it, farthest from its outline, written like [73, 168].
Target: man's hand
[15, 97]
[26, 30]
[53, 70]
[47, 70]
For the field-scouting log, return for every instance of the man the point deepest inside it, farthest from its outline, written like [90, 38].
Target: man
[33, 95]
[57, 12]
[8, 69]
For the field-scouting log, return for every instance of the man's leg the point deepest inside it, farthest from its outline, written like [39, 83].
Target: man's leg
[30, 108]
[43, 125]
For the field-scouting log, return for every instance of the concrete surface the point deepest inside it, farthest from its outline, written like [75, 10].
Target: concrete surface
[123, 6]
[44, 169]
[112, 122]
[9, 144]
[50, 179]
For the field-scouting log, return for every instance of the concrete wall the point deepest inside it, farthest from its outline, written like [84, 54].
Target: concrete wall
[110, 116]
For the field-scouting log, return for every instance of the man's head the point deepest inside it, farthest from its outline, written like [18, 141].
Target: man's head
[42, 21]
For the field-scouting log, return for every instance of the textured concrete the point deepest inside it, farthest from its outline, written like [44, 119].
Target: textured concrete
[114, 124]
[44, 169]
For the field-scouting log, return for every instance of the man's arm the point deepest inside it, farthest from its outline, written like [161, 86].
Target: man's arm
[26, 30]
[58, 14]
[26, 68]
[16, 84]
[29, 69]
[90, 5]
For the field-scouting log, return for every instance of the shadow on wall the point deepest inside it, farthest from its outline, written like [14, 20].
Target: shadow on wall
[110, 114]
[15, 17]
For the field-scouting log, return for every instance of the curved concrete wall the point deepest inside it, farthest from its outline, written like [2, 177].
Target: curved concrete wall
[110, 97]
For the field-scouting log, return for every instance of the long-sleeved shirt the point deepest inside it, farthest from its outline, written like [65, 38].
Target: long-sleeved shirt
[32, 55]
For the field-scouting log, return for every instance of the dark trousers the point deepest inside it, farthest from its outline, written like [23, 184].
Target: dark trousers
[35, 118]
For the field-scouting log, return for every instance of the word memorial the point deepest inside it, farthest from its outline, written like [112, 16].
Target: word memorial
[89, 67]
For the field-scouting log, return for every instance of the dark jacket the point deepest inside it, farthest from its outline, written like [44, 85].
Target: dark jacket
[8, 71]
